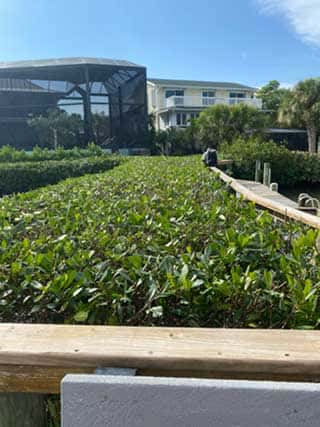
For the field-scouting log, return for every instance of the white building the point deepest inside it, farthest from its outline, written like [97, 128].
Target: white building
[175, 102]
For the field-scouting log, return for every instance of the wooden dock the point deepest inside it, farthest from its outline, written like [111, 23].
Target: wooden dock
[275, 202]
[265, 192]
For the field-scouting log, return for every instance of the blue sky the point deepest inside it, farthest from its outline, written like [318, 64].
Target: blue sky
[249, 41]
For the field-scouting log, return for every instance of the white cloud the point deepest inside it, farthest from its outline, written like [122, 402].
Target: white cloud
[284, 85]
[287, 85]
[302, 15]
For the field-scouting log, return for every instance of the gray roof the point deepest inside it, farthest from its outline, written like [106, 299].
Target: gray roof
[68, 69]
[66, 62]
[201, 84]
[278, 130]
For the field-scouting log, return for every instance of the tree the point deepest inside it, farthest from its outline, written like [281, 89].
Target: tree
[175, 142]
[272, 96]
[101, 127]
[58, 128]
[223, 123]
[303, 107]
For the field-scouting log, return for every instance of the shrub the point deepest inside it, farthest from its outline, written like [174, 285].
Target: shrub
[12, 155]
[24, 176]
[288, 168]
[176, 142]
[58, 127]
[224, 123]
[153, 242]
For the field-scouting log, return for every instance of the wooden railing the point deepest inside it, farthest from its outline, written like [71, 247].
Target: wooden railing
[34, 358]
[272, 205]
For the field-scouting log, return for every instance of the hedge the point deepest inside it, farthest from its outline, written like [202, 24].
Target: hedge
[288, 168]
[13, 155]
[24, 176]
[155, 241]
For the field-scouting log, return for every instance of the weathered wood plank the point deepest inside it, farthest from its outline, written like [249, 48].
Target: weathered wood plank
[225, 162]
[22, 410]
[34, 358]
[47, 380]
[31, 379]
[275, 203]
[264, 191]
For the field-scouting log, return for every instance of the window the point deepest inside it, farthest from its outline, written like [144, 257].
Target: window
[208, 94]
[194, 116]
[208, 97]
[237, 95]
[166, 119]
[174, 93]
[99, 104]
[184, 119]
[181, 119]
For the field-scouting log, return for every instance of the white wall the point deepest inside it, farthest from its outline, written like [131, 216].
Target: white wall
[157, 100]
[151, 98]
[119, 401]
[197, 92]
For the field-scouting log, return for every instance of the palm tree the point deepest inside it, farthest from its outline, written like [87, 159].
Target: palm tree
[302, 107]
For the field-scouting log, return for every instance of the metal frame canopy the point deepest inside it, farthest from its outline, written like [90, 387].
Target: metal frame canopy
[30, 88]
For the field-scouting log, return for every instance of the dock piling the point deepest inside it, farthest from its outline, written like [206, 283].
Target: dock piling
[266, 174]
[257, 176]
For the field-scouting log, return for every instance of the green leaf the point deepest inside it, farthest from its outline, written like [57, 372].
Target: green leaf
[156, 311]
[81, 316]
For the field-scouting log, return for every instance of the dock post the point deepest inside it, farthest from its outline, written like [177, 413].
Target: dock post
[274, 186]
[266, 174]
[257, 175]
[269, 175]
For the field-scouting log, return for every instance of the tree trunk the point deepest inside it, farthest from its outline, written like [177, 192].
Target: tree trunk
[312, 138]
[22, 410]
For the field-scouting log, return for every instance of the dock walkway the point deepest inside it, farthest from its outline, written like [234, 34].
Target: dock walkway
[264, 191]
[275, 202]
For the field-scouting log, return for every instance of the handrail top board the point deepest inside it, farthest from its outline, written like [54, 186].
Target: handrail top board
[160, 348]
[34, 358]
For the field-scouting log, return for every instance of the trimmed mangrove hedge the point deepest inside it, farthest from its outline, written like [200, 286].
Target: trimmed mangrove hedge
[24, 176]
[288, 168]
[155, 241]
[12, 155]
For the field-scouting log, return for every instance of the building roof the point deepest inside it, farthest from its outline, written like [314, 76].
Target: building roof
[281, 130]
[201, 84]
[67, 62]
[72, 70]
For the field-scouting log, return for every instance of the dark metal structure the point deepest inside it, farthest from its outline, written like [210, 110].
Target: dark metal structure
[294, 139]
[113, 88]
